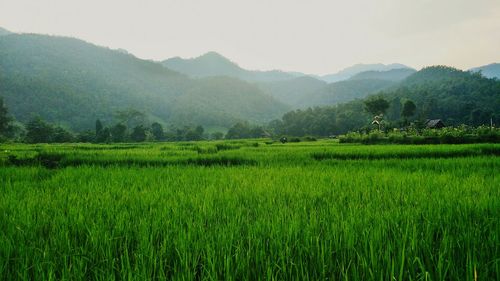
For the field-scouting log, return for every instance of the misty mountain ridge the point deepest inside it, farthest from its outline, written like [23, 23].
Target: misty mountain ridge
[292, 92]
[488, 71]
[4, 31]
[307, 91]
[397, 74]
[72, 83]
[349, 72]
[213, 64]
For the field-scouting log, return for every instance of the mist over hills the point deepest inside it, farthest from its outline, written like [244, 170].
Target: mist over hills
[359, 68]
[489, 71]
[214, 64]
[4, 31]
[72, 83]
[296, 89]
[397, 74]
[438, 92]
[456, 96]
[344, 91]
[292, 92]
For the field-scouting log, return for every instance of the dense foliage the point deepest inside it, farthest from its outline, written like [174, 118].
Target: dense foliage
[455, 96]
[448, 135]
[5, 120]
[71, 83]
[243, 130]
[345, 91]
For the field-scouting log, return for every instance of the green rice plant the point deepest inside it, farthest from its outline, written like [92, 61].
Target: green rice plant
[267, 212]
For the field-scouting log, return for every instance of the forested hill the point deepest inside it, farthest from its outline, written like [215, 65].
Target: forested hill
[307, 91]
[345, 91]
[72, 83]
[439, 92]
[456, 96]
[351, 71]
[213, 64]
[390, 75]
[294, 91]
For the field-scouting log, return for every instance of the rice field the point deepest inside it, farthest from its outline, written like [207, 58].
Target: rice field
[249, 210]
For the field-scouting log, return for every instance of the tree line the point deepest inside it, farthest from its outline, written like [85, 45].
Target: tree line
[375, 112]
[131, 127]
[454, 96]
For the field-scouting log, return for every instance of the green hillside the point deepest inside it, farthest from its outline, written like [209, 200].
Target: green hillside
[450, 94]
[439, 92]
[351, 71]
[391, 75]
[217, 101]
[345, 91]
[72, 83]
[293, 91]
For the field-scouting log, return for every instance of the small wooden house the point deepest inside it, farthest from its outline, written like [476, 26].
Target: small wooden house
[434, 124]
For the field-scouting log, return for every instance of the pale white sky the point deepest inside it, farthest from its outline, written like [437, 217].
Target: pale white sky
[312, 36]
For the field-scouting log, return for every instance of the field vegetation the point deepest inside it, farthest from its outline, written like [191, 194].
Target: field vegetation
[412, 135]
[249, 210]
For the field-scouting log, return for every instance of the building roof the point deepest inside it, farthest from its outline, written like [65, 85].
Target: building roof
[434, 123]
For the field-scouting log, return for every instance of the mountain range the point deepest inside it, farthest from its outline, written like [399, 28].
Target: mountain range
[72, 83]
[214, 64]
[359, 68]
[295, 89]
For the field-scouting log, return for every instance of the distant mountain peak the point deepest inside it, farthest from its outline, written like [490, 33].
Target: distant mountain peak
[489, 71]
[216, 58]
[213, 54]
[397, 74]
[351, 71]
[214, 64]
[4, 31]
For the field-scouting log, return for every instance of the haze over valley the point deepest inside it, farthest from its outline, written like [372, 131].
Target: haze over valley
[72, 83]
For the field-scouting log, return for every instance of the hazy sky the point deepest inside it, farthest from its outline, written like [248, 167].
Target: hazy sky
[310, 35]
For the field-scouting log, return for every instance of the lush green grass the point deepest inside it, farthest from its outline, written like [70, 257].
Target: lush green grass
[246, 210]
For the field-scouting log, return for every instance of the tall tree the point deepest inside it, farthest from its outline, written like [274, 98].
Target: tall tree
[409, 108]
[102, 134]
[118, 133]
[138, 134]
[157, 131]
[98, 127]
[60, 135]
[194, 134]
[376, 105]
[38, 131]
[5, 119]
[130, 117]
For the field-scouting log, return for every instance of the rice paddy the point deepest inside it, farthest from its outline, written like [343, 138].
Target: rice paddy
[249, 210]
